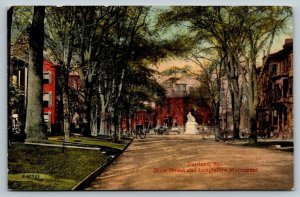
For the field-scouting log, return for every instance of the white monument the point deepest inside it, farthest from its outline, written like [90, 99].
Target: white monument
[191, 125]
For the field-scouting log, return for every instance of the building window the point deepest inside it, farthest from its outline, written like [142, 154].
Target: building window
[289, 61]
[47, 99]
[285, 88]
[181, 87]
[275, 118]
[47, 117]
[47, 121]
[274, 69]
[291, 87]
[275, 113]
[47, 78]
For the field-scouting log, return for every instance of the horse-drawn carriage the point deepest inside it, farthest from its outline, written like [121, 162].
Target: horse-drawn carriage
[162, 130]
[140, 131]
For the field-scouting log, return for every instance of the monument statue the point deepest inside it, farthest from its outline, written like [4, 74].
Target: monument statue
[190, 117]
[191, 124]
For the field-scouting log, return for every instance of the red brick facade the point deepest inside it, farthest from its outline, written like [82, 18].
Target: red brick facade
[49, 90]
[175, 109]
[172, 113]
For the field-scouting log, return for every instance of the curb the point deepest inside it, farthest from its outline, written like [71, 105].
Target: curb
[87, 180]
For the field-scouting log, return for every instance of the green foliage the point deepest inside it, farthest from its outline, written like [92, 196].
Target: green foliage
[140, 87]
[202, 94]
[175, 74]
[60, 36]
[22, 18]
[87, 141]
[15, 97]
[228, 26]
[176, 71]
[25, 181]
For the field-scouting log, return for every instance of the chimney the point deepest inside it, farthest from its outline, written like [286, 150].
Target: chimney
[288, 42]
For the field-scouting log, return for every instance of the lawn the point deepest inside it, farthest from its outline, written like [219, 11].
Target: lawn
[48, 168]
[88, 141]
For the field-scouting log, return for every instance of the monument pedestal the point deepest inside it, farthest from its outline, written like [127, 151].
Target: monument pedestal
[191, 128]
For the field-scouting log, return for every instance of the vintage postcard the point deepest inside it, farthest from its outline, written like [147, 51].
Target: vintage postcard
[150, 98]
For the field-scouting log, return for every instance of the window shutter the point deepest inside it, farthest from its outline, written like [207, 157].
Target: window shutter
[50, 99]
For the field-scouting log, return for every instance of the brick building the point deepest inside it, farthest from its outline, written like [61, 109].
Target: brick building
[18, 78]
[17, 75]
[275, 108]
[50, 103]
[172, 113]
[177, 105]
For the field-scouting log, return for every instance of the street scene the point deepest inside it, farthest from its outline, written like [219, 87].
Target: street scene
[185, 162]
[150, 98]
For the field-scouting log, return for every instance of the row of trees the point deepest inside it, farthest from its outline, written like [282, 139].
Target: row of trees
[111, 49]
[228, 44]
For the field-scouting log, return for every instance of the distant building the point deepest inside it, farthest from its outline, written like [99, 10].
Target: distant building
[172, 113]
[52, 95]
[177, 105]
[275, 108]
[19, 78]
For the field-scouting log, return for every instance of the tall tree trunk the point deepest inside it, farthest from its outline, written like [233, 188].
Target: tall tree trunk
[114, 120]
[253, 106]
[102, 117]
[128, 121]
[9, 66]
[66, 110]
[94, 120]
[102, 123]
[235, 114]
[216, 116]
[111, 125]
[253, 125]
[216, 103]
[233, 77]
[34, 127]
[66, 94]
[9, 22]
[119, 125]
[86, 115]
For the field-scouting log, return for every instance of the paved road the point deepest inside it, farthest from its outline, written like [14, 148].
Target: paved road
[187, 162]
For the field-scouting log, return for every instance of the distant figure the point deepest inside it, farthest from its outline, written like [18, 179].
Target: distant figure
[75, 120]
[190, 117]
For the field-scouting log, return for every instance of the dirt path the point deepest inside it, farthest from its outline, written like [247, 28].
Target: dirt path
[187, 162]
